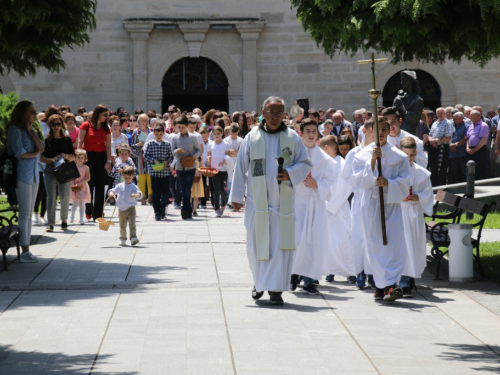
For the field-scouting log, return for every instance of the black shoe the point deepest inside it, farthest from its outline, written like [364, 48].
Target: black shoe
[351, 279]
[50, 228]
[157, 217]
[294, 282]
[392, 293]
[163, 213]
[64, 225]
[330, 278]
[195, 213]
[256, 295]
[310, 289]
[315, 282]
[379, 294]
[371, 283]
[407, 292]
[275, 298]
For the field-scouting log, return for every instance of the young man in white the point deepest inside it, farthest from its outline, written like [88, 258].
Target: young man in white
[394, 119]
[361, 267]
[269, 211]
[314, 253]
[418, 202]
[386, 262]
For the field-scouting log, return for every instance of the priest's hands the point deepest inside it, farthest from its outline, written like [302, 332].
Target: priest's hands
[237, 206]
[310, 182]
[412, 198]
[283, 176]
[382, 182]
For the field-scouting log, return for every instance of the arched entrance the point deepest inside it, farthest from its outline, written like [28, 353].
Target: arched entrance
[429, 89]
[195, 82]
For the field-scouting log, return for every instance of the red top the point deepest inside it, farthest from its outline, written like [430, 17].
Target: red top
[95, 139]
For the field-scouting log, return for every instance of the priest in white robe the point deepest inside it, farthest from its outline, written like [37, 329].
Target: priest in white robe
[269, 216]
[418, 202]
[386, 262]
[394, 119]
[313, 247]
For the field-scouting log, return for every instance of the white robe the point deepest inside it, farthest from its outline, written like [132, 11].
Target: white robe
[339, 223]
[421, 158]
[386, 262]
[414, 222]
[312, 245]
[358, 249]
[274, 274]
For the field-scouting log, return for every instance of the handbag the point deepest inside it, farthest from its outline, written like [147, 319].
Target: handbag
[65, 171]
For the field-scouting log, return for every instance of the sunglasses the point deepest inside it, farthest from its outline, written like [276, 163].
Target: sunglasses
[106, 115]
[172, 111]
[56, 124]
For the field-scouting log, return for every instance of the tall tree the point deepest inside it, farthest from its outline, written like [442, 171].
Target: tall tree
[426, 30]
[33, 34]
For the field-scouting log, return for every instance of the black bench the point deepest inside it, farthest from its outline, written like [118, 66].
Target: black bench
[8, 231]
[437, 233]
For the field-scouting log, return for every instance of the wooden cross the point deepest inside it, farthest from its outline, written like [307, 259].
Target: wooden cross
[374, 93]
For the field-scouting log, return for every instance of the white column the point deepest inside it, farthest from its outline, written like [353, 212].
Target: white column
[249, 34]
[139, 33]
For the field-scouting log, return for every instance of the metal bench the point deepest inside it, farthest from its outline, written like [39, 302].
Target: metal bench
[8, 231]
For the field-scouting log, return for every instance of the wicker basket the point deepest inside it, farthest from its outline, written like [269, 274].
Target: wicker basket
[208, 172]
[76, 188]
[188, 161]
[103, 223]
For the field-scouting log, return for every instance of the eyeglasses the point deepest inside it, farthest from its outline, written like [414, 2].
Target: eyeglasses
[56, 124]
[274, 114]
[172, 111]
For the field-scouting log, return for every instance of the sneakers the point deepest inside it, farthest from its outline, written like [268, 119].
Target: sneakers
[195, 213]
[88, 217]
[222, 211]
[43, 221]
[36, 218]
[379, 294]
[64, 225]
[294, 282]
[134, 241]
[276, 298]
[310, 289]
[123, 241]
[28, 258]
[407, 292]
[256, 295]
[82, 222]
[204, 207]
[371, 282]
[392, 293]
[218, 213]
[330, 278]
[50, 228]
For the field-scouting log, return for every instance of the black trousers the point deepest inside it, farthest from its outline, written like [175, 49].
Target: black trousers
[41, 197]
[482, 160]
[438, 164]
[161, 187]
[96, 162]
[219, 181]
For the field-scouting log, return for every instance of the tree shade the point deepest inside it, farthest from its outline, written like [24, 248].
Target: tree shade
[425, 30]
[33, 34]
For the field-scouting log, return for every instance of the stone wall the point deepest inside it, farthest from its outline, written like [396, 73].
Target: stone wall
[288, 62]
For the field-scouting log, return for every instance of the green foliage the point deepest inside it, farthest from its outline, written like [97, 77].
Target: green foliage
[490, 259]
[425, 30]
[34, 33]
[492, 220]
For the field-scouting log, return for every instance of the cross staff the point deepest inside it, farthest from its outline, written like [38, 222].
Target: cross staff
[374, 93]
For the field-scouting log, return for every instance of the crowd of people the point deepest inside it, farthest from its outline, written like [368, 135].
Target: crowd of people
[327, 179]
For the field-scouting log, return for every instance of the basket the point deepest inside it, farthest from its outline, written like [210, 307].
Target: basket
[188, 161]
[76, 188]
[158, 167]
[103, 223]
[208, 172]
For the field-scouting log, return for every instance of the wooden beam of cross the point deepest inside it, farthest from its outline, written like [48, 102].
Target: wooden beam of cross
[375, 93]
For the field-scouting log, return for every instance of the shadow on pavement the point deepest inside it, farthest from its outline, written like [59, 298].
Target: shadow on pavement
[472, 354]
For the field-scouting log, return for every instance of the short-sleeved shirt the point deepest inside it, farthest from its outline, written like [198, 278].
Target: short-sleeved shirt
[74, 134]
[441, 129]
[459, 134]
[95, 139]
[218, 154]
[476, 132]
[57, 146]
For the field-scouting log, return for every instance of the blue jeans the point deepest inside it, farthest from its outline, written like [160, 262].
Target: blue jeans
[186, 179]
[404, 282]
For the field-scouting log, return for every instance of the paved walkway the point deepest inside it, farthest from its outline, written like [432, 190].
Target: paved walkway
[180, 304]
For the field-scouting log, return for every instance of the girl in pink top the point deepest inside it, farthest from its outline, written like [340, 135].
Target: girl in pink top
[81, 196]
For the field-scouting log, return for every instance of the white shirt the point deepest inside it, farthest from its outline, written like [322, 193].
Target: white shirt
[117, 142]
[218, 154]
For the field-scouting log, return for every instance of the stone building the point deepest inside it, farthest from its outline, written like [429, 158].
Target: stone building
[229, 55]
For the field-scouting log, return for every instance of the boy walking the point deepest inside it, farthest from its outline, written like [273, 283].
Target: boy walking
[156, 152]
[128, 193]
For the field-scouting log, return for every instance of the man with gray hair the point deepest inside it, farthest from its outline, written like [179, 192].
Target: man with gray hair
[271, 161]
[477, 135]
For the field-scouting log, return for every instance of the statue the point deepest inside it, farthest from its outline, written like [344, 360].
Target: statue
[408, 102]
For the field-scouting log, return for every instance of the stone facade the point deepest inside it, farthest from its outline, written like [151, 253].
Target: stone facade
[265, 52]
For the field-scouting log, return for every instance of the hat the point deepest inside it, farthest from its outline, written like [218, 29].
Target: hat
[410, 73]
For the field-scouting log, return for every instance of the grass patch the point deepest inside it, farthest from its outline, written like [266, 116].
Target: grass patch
[490, 258]
[492, 220]
[3, 206]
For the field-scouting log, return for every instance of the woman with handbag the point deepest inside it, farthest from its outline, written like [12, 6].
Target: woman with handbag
[57, 145]
[95, 138]
[23, 144]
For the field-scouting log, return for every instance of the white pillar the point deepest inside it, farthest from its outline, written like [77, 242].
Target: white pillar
[139, 33]
[249, 34]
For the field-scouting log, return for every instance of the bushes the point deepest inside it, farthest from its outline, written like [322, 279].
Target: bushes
[7, 104]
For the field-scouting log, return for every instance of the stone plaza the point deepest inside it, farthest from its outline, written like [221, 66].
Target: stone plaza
[180, 303]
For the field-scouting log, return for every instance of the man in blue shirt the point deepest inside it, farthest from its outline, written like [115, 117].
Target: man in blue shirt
[458, 152]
